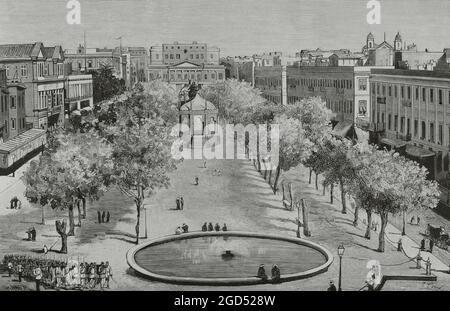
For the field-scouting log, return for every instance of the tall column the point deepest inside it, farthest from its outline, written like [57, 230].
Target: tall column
[283, 85]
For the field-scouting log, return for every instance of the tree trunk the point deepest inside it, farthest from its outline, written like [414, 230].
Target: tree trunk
[290, 196]
[43, 214]
[404, 223]
[310, 176]
[381, 241]
[79, 214]
[317, 185]
[277, 178]
[270, 179]
[324, 188]
[305, 212]
[83, 200]
[61, 229]
[356, 219]
[138, 221]
[369, 224]
[71, 222]
[331, 193]
[344, 205]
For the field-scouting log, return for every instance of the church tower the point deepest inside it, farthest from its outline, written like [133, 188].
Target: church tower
[370, 43]
[398, 42]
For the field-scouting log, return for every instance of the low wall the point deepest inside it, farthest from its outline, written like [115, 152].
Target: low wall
[227, 281]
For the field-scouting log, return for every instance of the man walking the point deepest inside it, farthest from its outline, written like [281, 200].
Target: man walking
[103, 216]
[99, 217]
[19, 271]
[107, 216]
[109, 273]
[332, 287]
[182, 203]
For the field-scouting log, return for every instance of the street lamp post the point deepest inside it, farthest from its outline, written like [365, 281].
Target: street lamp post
[145, 221]
[341, 250]
[298, 219]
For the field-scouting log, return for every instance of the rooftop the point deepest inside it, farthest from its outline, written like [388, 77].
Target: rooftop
[411, 73]
[20, 50]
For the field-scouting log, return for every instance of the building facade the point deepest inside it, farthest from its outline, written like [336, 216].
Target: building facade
[179, 63]
[79, 93]
[41, 70]
[137, 63]
[412, 110]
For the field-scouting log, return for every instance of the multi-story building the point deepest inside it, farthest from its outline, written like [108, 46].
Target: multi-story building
[381, 54]
[83, 60]
[18, 141]
[138, 60]
[41, 70]
[79, 93]
[179, 63]
[411, 109]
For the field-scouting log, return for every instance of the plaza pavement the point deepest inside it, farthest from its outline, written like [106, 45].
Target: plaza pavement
[239, 197]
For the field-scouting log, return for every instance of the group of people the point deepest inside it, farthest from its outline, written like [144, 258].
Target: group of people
[31, 232]
[415, 221]
[182, 229]
[59, 274]
[427, 245]
[210, 227]
[180, 203]
[374, 225]
[103, 217]
[276, 274]
[15, 203]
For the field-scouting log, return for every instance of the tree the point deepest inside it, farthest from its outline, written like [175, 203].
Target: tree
[141, 149]
[36, 179]
[386, 176]
[294, 147]
[105, 85]
[339, 167]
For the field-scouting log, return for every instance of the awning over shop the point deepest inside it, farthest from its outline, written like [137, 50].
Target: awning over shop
[342, 128]
[393, 143]
[418, 152]
[22, 140]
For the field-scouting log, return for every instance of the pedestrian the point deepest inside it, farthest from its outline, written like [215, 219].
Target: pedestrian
[196, 181]
[99, 217]
[12, 203]
[275, 274]
[45, 249]
[10, 268]
[428, 267]
[108, 215]
[204, 164]
[19, 271]
[399, 245]
[19, 204]
[224, 228]
[262, 273]
[103, 216]
[431, 245]
[185, 228]
[83, 275]
[92, 276]
[210, 227]
[102, 270]
[178, 203]
[217, 227]
[418, 220]
[412, 220]
[182, 203]
[205, 227]
[33, 234]
[37, 276]
[109, 273]
[422, 245]
[332, 287]
[178, 231]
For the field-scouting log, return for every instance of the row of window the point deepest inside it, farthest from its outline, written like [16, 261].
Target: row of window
[14, 102]
[421, 135]
[81, 90]
[405, 92]
[178, 56]
[185, 76]
[50, 98]
[341, 106]
[14, 124]
[191, 47]
[336, 83]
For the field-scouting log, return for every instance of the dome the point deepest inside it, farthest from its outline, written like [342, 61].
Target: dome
[398, 37]
[370, 36]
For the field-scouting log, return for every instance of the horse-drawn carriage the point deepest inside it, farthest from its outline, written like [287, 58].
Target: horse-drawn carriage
[438, 235]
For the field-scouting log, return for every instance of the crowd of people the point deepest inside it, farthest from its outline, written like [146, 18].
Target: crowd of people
[15, 203]
[59, 274]
[103, 217]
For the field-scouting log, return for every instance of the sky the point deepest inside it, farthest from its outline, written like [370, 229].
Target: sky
[237, 27]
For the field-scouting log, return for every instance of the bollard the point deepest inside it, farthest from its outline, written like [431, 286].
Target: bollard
[428, 267]
[419, 261]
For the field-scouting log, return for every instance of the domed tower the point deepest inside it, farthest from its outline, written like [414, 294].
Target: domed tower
[398, 42]
[370, 43]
